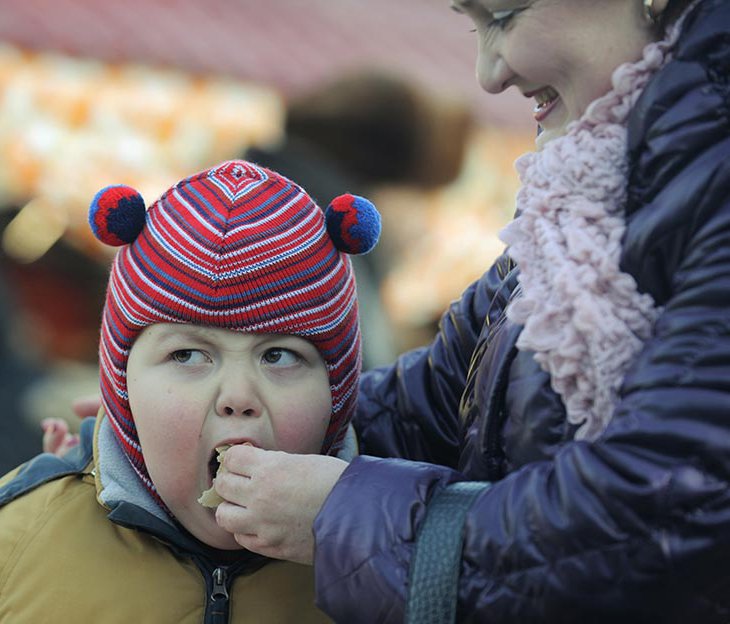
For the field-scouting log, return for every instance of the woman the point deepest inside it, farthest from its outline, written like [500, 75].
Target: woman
[586, 374]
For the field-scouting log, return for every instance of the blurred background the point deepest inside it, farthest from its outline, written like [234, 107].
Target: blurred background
[368, 96]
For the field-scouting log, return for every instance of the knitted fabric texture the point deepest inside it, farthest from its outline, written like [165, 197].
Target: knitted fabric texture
[236, 247]
[583, 317]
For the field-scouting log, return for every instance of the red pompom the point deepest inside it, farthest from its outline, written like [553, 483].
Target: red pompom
[117, 215]
[353, 224]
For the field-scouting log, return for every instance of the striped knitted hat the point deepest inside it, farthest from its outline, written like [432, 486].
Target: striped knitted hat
[236, 247]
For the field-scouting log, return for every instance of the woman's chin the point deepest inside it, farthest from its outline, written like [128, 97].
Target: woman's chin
[554, 125]
[546, 135]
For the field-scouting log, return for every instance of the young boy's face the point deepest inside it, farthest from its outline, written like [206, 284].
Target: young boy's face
[194, 388]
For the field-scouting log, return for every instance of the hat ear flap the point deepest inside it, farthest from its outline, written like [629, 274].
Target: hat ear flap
[117, 215]
[353, 224]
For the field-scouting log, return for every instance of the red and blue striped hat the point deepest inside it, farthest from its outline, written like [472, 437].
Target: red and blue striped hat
[237, 247]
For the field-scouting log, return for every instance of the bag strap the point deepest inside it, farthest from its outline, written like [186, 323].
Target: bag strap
[434, 572]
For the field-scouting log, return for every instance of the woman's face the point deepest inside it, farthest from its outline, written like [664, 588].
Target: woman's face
[561, 53]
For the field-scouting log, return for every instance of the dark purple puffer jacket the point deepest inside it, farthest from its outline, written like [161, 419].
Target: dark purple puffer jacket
[634, 527]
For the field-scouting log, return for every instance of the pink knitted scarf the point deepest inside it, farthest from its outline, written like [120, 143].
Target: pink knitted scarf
[583, 317]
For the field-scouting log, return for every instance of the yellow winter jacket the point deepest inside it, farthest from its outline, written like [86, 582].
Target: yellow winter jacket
[66, 557]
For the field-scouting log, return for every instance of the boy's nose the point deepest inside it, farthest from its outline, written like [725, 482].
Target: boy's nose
[238, 396]
[232, 406]
[230, 411]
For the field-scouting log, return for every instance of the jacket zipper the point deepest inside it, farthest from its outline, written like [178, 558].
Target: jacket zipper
[218, 579]
[217, 602]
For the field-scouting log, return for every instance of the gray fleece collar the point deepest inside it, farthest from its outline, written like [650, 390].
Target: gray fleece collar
[119, 481]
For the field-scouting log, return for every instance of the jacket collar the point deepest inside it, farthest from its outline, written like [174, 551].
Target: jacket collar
[120, 490]
[116, 481]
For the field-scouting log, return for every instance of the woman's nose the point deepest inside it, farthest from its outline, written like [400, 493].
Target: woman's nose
[493, 73]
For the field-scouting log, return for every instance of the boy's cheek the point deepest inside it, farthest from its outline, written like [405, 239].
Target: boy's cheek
[165, 407]
[301, 435]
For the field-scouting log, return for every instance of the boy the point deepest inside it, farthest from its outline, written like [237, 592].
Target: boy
[230, 318]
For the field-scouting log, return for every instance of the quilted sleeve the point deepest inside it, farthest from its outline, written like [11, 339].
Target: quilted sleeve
[410, 409]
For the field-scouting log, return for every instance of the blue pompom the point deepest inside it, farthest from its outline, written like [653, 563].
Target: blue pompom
[353, 224]
[117, 215]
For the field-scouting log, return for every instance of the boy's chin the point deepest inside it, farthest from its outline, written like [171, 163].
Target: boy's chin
[212, 535]
[222, 540]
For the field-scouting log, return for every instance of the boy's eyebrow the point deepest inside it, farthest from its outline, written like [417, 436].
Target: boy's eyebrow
[169, 331]
[174, 330]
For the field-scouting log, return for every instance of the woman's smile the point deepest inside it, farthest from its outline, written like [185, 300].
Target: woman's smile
[563, 74]
[545, 101]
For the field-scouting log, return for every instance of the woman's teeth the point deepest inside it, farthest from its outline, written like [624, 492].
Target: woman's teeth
[545, 98]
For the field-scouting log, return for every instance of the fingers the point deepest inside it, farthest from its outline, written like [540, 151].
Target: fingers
[56, 438]
[86, 406]
[241, 459]
[69, 441]
[54, 426]
[239, 521]
[269, 541]
[267, 510]
[232, 487]
[52, 434]
[233, 518]
[254, 543]
[237, 517]
[248, 541]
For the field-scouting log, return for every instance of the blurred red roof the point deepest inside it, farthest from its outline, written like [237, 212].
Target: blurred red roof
[286, 44]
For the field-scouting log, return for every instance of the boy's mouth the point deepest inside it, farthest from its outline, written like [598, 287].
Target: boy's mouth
[209, 497]
[213, 466]
[214, 463]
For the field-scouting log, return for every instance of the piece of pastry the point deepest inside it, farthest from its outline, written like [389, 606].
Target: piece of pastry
[211, 498]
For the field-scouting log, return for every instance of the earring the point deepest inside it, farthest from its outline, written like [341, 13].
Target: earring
[649, 16]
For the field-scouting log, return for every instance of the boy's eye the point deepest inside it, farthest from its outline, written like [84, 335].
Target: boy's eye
[188, 356]
[280, 357]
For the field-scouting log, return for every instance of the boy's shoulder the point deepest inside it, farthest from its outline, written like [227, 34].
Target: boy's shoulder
[39, 503]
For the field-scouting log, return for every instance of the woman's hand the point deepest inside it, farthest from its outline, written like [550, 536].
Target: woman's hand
[86, 406]
[273, 498]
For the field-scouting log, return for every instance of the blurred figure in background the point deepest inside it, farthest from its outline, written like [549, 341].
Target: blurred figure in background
[19, 440]
[362, 131]
[49, 311]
